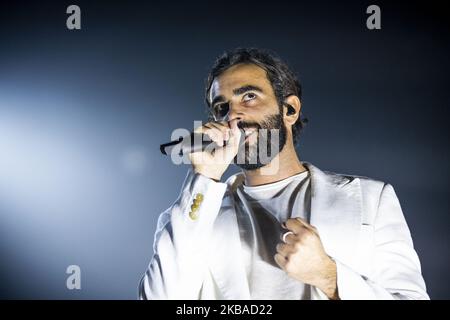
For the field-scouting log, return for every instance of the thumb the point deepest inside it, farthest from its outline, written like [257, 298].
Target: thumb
[233, 124]
[235, 133]
[232, 146]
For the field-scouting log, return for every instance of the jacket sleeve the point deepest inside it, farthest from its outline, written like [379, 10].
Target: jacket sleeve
[180, 248]
[396, 271]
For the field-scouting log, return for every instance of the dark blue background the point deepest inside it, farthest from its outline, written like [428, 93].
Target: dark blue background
[82, 114]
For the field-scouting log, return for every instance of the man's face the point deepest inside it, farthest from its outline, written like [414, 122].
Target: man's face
[247, 93]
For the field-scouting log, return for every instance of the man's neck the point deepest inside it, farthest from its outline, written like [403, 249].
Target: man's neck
[284, 165]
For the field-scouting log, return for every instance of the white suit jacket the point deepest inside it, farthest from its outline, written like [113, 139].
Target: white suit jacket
[359, 220]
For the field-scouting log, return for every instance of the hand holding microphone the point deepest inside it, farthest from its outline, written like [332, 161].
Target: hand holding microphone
[226, 136]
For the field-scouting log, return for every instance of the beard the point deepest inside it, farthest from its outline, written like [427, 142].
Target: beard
[271, 138]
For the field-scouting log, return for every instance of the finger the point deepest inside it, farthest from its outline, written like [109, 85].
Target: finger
[306, 224]
[280, 260]
[203, 128]
[219, 124]
[222, 126]
[284, 249]
[230, 150]
[294, 225]
[210, 125]
[210, 134]
[216, 135]
[233, 141]
[234, 126]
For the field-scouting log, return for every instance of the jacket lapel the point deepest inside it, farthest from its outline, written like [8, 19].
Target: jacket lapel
[336, 211]
[228, 264]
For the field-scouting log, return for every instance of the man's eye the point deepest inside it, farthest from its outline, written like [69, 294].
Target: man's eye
[249, 96]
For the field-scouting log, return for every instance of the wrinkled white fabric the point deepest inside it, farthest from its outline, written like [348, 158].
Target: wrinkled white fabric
[359, 220]
[268, 206]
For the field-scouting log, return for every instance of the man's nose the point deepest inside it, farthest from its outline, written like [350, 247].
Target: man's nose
[234, 112]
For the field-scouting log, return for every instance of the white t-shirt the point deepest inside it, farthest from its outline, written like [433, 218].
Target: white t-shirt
[268, 206]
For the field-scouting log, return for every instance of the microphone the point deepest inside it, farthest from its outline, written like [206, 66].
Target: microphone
[194, 142]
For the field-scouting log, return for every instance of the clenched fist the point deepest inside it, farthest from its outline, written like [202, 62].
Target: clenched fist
[303, 257]
[214, 164]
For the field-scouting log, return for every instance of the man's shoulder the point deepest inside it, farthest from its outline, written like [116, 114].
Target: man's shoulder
[368, 185]
[351, 177]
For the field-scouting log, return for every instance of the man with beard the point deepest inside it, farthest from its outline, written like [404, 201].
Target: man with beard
[282, 228]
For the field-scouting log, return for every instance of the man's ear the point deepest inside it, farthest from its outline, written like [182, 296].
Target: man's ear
[292, 109]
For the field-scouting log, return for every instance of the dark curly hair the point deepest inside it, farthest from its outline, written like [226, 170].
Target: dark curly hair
[284, 82]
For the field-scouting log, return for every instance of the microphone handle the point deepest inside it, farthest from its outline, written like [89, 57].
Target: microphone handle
[194, 142]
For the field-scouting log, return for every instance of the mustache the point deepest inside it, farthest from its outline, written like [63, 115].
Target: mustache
[247, 124]
[274, 121]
